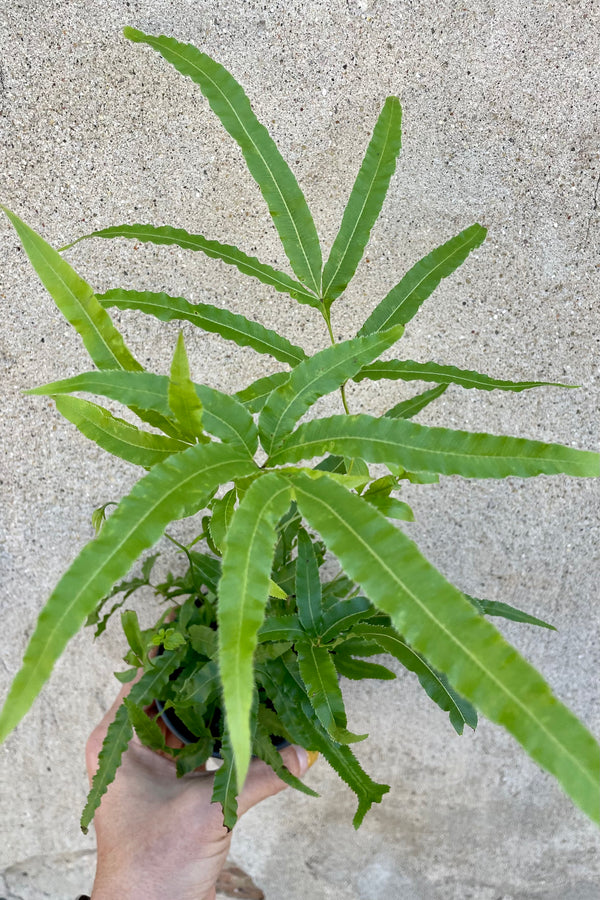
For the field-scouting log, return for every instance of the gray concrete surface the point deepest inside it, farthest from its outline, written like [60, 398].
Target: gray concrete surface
[500, 126]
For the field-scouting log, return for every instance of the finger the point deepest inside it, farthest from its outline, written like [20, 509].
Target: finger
[262, 782]
[96, 738]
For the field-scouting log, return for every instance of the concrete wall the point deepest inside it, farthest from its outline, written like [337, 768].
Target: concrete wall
[500, 104]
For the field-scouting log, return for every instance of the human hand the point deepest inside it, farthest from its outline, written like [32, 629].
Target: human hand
[160, 836]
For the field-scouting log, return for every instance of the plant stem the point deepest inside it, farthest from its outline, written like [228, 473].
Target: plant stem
[327, 316]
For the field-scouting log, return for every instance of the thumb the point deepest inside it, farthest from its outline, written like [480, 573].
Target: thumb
[262, 782]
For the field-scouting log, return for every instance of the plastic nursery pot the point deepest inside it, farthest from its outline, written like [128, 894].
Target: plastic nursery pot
[181, 731]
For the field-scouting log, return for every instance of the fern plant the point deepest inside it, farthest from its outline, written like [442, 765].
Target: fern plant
[252, 642]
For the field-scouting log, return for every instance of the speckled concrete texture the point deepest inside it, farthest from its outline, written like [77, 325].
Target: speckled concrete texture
[500, 103]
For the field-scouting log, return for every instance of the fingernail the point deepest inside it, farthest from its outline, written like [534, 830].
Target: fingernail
[306, 758]
[303, 761]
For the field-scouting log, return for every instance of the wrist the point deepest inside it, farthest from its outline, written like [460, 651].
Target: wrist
[129, 884]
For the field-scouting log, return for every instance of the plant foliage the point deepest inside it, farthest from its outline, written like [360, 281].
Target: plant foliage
[255, 642]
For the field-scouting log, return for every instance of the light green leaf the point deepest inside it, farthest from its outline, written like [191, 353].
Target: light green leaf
[352, 482]
[365, 201]
[496, 608]
[249, 265]
[99, 516]
[225, 784]
[276, 591]
[433, 683]
[222, 512]
[243, 594]
[406, 409]
[255, 395]
[408, 370]
[285, 200]
[437, 621]
[308, 585]
[133, 633]
[115, 435]
[76, 301]
[404, 300]
[147, 729]
[138, 391]
[231, 326]
[323, 690]
[419, 448]
[390, 507]
[182, 396]
[321, 374]
[223, 415]
[175, 488]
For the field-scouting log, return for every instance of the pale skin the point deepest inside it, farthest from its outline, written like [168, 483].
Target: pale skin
[160, 836]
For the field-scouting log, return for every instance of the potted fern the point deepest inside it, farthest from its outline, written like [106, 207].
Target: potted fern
[253, 640]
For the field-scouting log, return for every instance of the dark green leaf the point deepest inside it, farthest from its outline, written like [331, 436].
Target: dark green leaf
[284, 686]
[265, 750]
[231, 326]
[147, 729]
[406, 409]
[436, 620]
[400, 441]
[222, 512]
[343, 614]
[249, 265]
[496, 608]
[225, 784]
[308, 585]
[323, 690]
[408, 370]
[321, 374]
[256, 394]
[120, 732]
[281, 628]
[285, 200]
[404, 300]
[357, 669]
[365, 201]
[433, 683]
